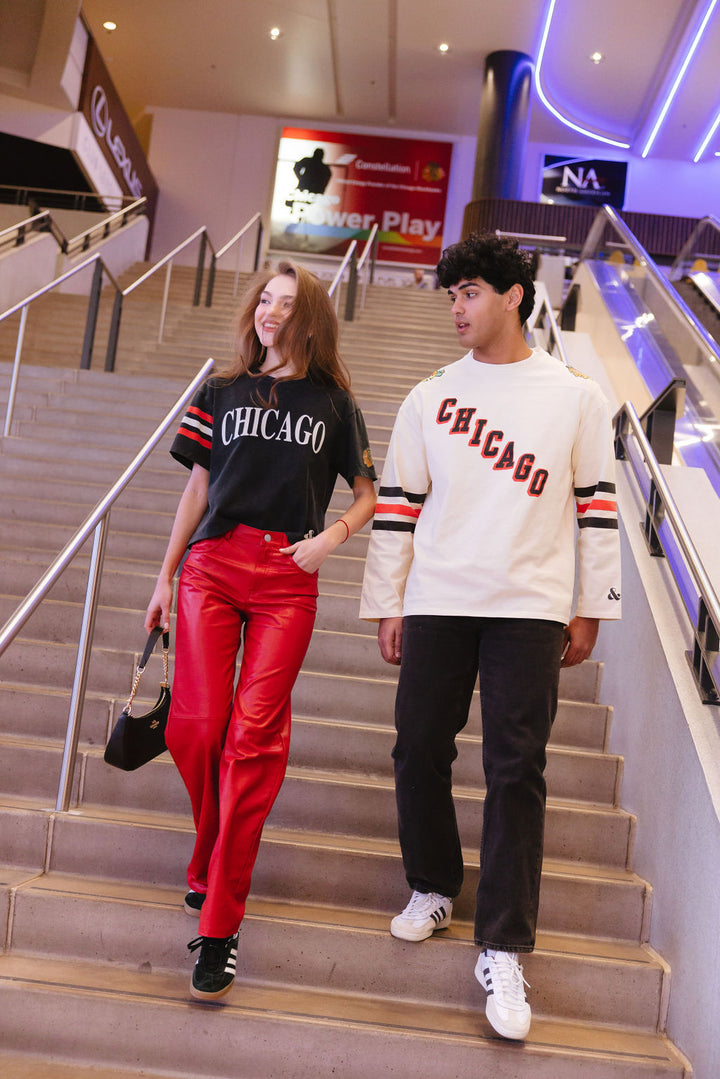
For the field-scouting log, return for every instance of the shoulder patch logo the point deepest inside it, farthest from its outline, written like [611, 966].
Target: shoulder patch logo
[367, 457]
[578, 374]
[436, 374]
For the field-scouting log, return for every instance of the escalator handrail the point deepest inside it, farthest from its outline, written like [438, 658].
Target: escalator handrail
[684, 252]
[606, 215]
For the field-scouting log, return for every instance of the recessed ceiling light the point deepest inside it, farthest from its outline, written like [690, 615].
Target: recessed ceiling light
[443, 47]
[109, 26]
[597, 57]
[275, 33]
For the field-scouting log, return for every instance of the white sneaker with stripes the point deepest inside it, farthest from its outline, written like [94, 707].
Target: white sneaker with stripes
[500, 974]
[426, 912]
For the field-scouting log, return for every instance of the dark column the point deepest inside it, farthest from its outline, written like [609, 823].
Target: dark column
[503, 128]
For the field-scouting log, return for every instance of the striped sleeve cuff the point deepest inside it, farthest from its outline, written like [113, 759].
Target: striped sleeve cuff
[397, 510]
[596, 506]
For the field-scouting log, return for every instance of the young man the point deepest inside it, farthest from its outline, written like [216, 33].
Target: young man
[492, 462]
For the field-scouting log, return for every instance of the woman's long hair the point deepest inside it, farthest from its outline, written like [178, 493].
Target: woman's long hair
[308, 337]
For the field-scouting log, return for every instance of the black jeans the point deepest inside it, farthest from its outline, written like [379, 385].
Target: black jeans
[519, 665]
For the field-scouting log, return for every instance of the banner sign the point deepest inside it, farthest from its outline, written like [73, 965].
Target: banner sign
[115, 135]
[332, 187]
[570, 180]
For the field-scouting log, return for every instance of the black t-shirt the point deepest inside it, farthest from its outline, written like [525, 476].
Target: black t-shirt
[272, 468]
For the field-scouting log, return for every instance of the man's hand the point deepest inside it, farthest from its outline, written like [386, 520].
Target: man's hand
[579, 640]
[390, 639]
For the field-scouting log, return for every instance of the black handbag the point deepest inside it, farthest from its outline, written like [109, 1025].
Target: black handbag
[135, 740]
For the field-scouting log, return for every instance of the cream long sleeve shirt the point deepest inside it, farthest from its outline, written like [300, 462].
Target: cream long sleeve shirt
[495, 476]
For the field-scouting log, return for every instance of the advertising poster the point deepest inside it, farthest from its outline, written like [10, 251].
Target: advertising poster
[115, 135]
[331, 188]
[571, 180]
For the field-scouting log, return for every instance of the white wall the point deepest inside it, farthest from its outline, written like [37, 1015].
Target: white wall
[657, 719]
[25, 269]
[670, 744]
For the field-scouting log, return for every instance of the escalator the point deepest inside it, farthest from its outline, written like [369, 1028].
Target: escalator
[654, 336]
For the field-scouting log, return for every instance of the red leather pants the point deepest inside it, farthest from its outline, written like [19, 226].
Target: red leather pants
[231, 745]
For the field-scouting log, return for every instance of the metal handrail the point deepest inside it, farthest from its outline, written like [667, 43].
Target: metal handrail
[216, 255]
[687, 247]
[21, 227]
[81, 196]
[706, 620]
[606, 215]
[337, 279]
[350, 260]
[167, 260]
[23, 306]
[368, 247]
[554, 341]
[105, 225]
[531, 237]
[371, 246]
[97, 523]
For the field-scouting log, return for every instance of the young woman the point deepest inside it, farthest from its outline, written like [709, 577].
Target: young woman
[265, 444]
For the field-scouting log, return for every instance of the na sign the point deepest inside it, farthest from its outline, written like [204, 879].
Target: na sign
[588, 182]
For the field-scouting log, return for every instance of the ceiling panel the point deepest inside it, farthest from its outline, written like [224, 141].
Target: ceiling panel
[376, 62]
[611, 96]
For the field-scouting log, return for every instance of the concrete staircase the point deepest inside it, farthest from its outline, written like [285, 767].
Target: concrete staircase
[94, 972]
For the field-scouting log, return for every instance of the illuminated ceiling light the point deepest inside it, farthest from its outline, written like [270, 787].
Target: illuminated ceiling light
[275, 33]
[679, 77]
[443, 47]
[109, 26]
[704, 144]
[597, 57]
[544, 99]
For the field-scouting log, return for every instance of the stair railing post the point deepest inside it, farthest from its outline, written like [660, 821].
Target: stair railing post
[15, 372]
[351, 290]
[92, 315]
[236, 281]
[114, 331]
[77, 699]
[166, 293]
[258, 246]
[200, 269]
[373, 257]
[211, 280]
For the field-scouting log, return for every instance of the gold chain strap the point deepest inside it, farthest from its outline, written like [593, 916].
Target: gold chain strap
[139, 671]
[133, 691]
[166, 661]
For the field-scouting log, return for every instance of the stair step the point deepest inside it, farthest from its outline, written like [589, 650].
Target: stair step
[282, 1028]
[91, 898]
[325, 949]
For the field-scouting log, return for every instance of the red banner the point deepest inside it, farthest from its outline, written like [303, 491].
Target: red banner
[332, 187]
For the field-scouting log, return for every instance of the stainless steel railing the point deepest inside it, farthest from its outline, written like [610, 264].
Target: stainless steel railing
[543, 317]
[667, 536]
[96, 524]
[236, 240]
[167, 261]
[103, 228]
[356, 268]
[690, 249]
[16, 234]
[23, 307]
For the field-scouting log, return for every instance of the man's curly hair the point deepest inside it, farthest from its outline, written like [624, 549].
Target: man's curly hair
[496, 259]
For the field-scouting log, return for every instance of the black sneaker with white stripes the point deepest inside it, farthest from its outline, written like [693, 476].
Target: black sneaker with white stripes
[214, 970]
[194, 903]
[426, 912]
